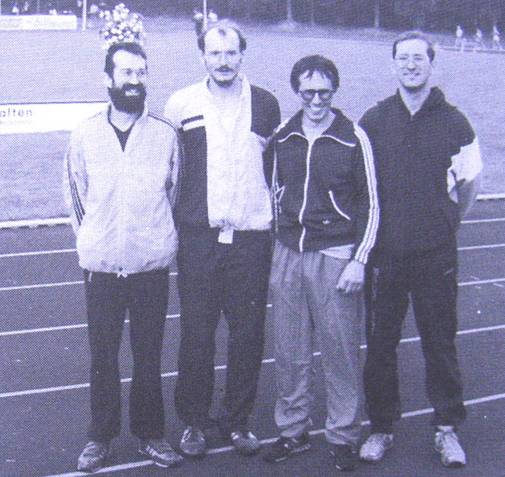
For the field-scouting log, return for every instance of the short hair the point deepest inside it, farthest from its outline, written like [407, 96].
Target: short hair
[222, 27]
[310, 64]
[130, 47]
[415, 35]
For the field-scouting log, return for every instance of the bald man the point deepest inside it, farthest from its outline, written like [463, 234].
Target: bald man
[224, 217]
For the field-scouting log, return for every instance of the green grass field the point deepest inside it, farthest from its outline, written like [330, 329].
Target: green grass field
[67, 66]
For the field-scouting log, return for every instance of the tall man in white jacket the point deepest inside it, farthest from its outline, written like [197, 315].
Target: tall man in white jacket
[120, 171]
[224, 215]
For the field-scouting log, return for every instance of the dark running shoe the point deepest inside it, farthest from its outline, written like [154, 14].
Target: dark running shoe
[93, 456]
[345, 457]
[160, 452]
[284, 447]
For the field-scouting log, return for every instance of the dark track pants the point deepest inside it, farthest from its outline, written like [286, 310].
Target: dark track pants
[431, 280]
[232, 278]
[145, 296]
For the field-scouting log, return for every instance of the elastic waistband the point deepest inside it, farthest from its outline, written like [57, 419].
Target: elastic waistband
[215, 230]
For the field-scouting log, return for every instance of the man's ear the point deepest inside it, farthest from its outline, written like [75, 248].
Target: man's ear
[107, 80]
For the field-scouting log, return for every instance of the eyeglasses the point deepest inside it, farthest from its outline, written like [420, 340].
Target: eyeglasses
[324, 94]
[404, 60]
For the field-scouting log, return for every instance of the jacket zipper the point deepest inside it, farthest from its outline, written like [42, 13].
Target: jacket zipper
[305, 195]
[336, 207]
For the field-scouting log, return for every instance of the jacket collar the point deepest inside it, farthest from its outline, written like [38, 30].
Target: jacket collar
[433, 101]
[141, 119]
[336, 130]
[245, 89]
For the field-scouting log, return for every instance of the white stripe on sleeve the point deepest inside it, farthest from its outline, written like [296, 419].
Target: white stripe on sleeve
[373, 211]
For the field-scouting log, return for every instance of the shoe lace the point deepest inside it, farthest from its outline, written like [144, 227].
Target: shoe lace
[191, 433]
[237, 435]
[377, 439]
[95, 448]
[160, 445]
[449, 440]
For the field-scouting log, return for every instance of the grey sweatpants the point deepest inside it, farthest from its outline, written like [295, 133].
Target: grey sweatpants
[307, 305]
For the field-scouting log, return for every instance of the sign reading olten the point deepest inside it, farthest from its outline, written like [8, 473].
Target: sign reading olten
[26, 118]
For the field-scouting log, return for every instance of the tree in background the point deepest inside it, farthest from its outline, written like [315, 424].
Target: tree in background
[398, 14]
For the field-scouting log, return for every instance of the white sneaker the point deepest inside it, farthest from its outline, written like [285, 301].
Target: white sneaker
[451, 452]
[375, 447]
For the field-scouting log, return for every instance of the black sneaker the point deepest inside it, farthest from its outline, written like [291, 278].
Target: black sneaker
[93, 456]
[160, 452]
[283, 447]
[345, 457]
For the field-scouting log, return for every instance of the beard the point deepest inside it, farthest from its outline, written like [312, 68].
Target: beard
[128, 103]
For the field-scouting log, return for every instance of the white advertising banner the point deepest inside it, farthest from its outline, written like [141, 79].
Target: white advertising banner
[28, 118]
[38, 22]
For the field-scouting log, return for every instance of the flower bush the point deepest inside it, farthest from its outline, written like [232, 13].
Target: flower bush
[121, 25]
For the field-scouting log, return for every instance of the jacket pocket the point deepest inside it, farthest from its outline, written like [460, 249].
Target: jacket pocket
[338, 210]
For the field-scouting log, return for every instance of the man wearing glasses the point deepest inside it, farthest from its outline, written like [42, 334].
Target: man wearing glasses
[428, 170]
[326, 222]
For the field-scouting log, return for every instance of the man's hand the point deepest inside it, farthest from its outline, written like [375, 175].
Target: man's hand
[352, 278]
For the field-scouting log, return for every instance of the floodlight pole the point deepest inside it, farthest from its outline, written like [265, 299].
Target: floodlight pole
[84, 14]
[204, 12]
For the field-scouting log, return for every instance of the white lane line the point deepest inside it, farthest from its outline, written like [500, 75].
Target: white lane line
[73, 250]
[172, 374]
[50, 285]
[222, 450]
[481, 282]
[172, 274]
[60, 328]
[481, 247]
[68, 327]
[40, 285]
[482, 221]
[36, 253]
[43, 330]
[493, 281]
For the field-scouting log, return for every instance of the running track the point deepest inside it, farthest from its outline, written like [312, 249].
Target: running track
[44, 366]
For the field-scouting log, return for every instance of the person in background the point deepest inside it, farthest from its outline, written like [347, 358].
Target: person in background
[459, 41]
[496, 45]
[478, 42]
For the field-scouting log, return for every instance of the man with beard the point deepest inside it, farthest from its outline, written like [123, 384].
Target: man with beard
[428, 169]
[224, 214]
[120, 174]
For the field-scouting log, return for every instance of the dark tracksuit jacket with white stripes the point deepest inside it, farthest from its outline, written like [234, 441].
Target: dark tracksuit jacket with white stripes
[422, 161]
[325, 192]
